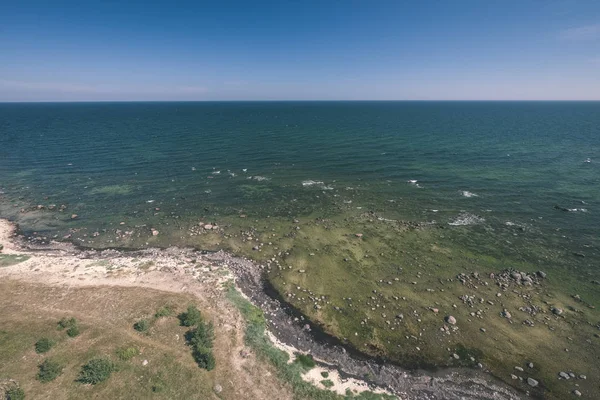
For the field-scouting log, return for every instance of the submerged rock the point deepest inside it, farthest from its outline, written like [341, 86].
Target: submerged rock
[532, 382]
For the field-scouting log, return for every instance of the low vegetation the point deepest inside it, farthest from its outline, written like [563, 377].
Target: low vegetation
[14, 393]
[165, 311]
[305, 360]
[328, 383]
[292, 373]
[106, 314]
[191, 317]
[71, 325]
[142, 325]
[201, 340]
[96, 371]
[127, 353]
[49, 370]
[44, 345]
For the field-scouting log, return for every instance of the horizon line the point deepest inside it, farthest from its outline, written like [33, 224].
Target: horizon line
[298, 101]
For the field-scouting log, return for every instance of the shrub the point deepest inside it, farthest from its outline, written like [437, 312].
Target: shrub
[96, 371]
[14, 393]
[327, 383]
[142, 325]
[43, 345]
[49, 371]
[66, 323]
[203, 336]
[305, 360]
[191, 317]
[325, 374]
[127, 353]
[73, 331]
[201, 339]
[165, 311]
[205, 358]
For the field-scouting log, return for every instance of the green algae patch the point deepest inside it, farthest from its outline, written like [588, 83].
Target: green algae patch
[112, 190]
[6, 260]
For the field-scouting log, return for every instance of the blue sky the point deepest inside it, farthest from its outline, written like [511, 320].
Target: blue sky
[286, 50]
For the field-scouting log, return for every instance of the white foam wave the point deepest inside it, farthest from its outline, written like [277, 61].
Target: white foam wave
[466, 193]
[466, 219]
[259, 178]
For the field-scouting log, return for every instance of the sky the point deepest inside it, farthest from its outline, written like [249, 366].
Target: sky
[299, 50]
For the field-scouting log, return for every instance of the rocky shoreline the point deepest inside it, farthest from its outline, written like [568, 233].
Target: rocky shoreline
[293, 329]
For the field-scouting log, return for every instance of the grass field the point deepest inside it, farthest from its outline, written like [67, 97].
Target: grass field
[157, 364]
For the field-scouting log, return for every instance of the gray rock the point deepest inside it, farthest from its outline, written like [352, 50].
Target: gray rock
[530, 365]
[519, 369]
[541, 274]
[564, 375]
[557, 311]
[451, 320]
[218, 388]
[532, 382]
[577, 393]
[456, 356]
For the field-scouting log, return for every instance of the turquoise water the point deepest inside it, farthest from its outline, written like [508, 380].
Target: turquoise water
[496, 167]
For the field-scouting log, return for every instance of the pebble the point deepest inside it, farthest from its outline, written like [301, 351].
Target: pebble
[145, 362]
[519, 369]
[564, 375]
[456, 356]
[451, 320]
[218, 388]
[577, 393]
[530, 365]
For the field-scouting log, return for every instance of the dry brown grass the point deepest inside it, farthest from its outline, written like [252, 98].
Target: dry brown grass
[106, 316]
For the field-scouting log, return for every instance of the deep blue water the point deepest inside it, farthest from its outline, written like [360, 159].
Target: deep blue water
[517, 159]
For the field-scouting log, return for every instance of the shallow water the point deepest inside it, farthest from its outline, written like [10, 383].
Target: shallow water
[500, 164]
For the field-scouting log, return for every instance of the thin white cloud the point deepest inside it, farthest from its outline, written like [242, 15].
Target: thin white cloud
[585, 32]
[65, 87]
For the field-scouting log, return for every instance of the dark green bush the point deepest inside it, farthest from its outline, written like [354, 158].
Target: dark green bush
[201, 339]
[142, 325]
[191, 317]
[49, 371]
[305, 360]
[43, 345]
[204, 358]
[327, 383]
[325, 374]
[96, 371]
[203, 336]
[14, 393]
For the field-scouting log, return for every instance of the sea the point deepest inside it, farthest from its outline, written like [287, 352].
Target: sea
[520, 173]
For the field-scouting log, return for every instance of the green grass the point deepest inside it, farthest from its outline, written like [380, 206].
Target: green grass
[292, 373]
[6, 260]
[127, 353]
[164, 311]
